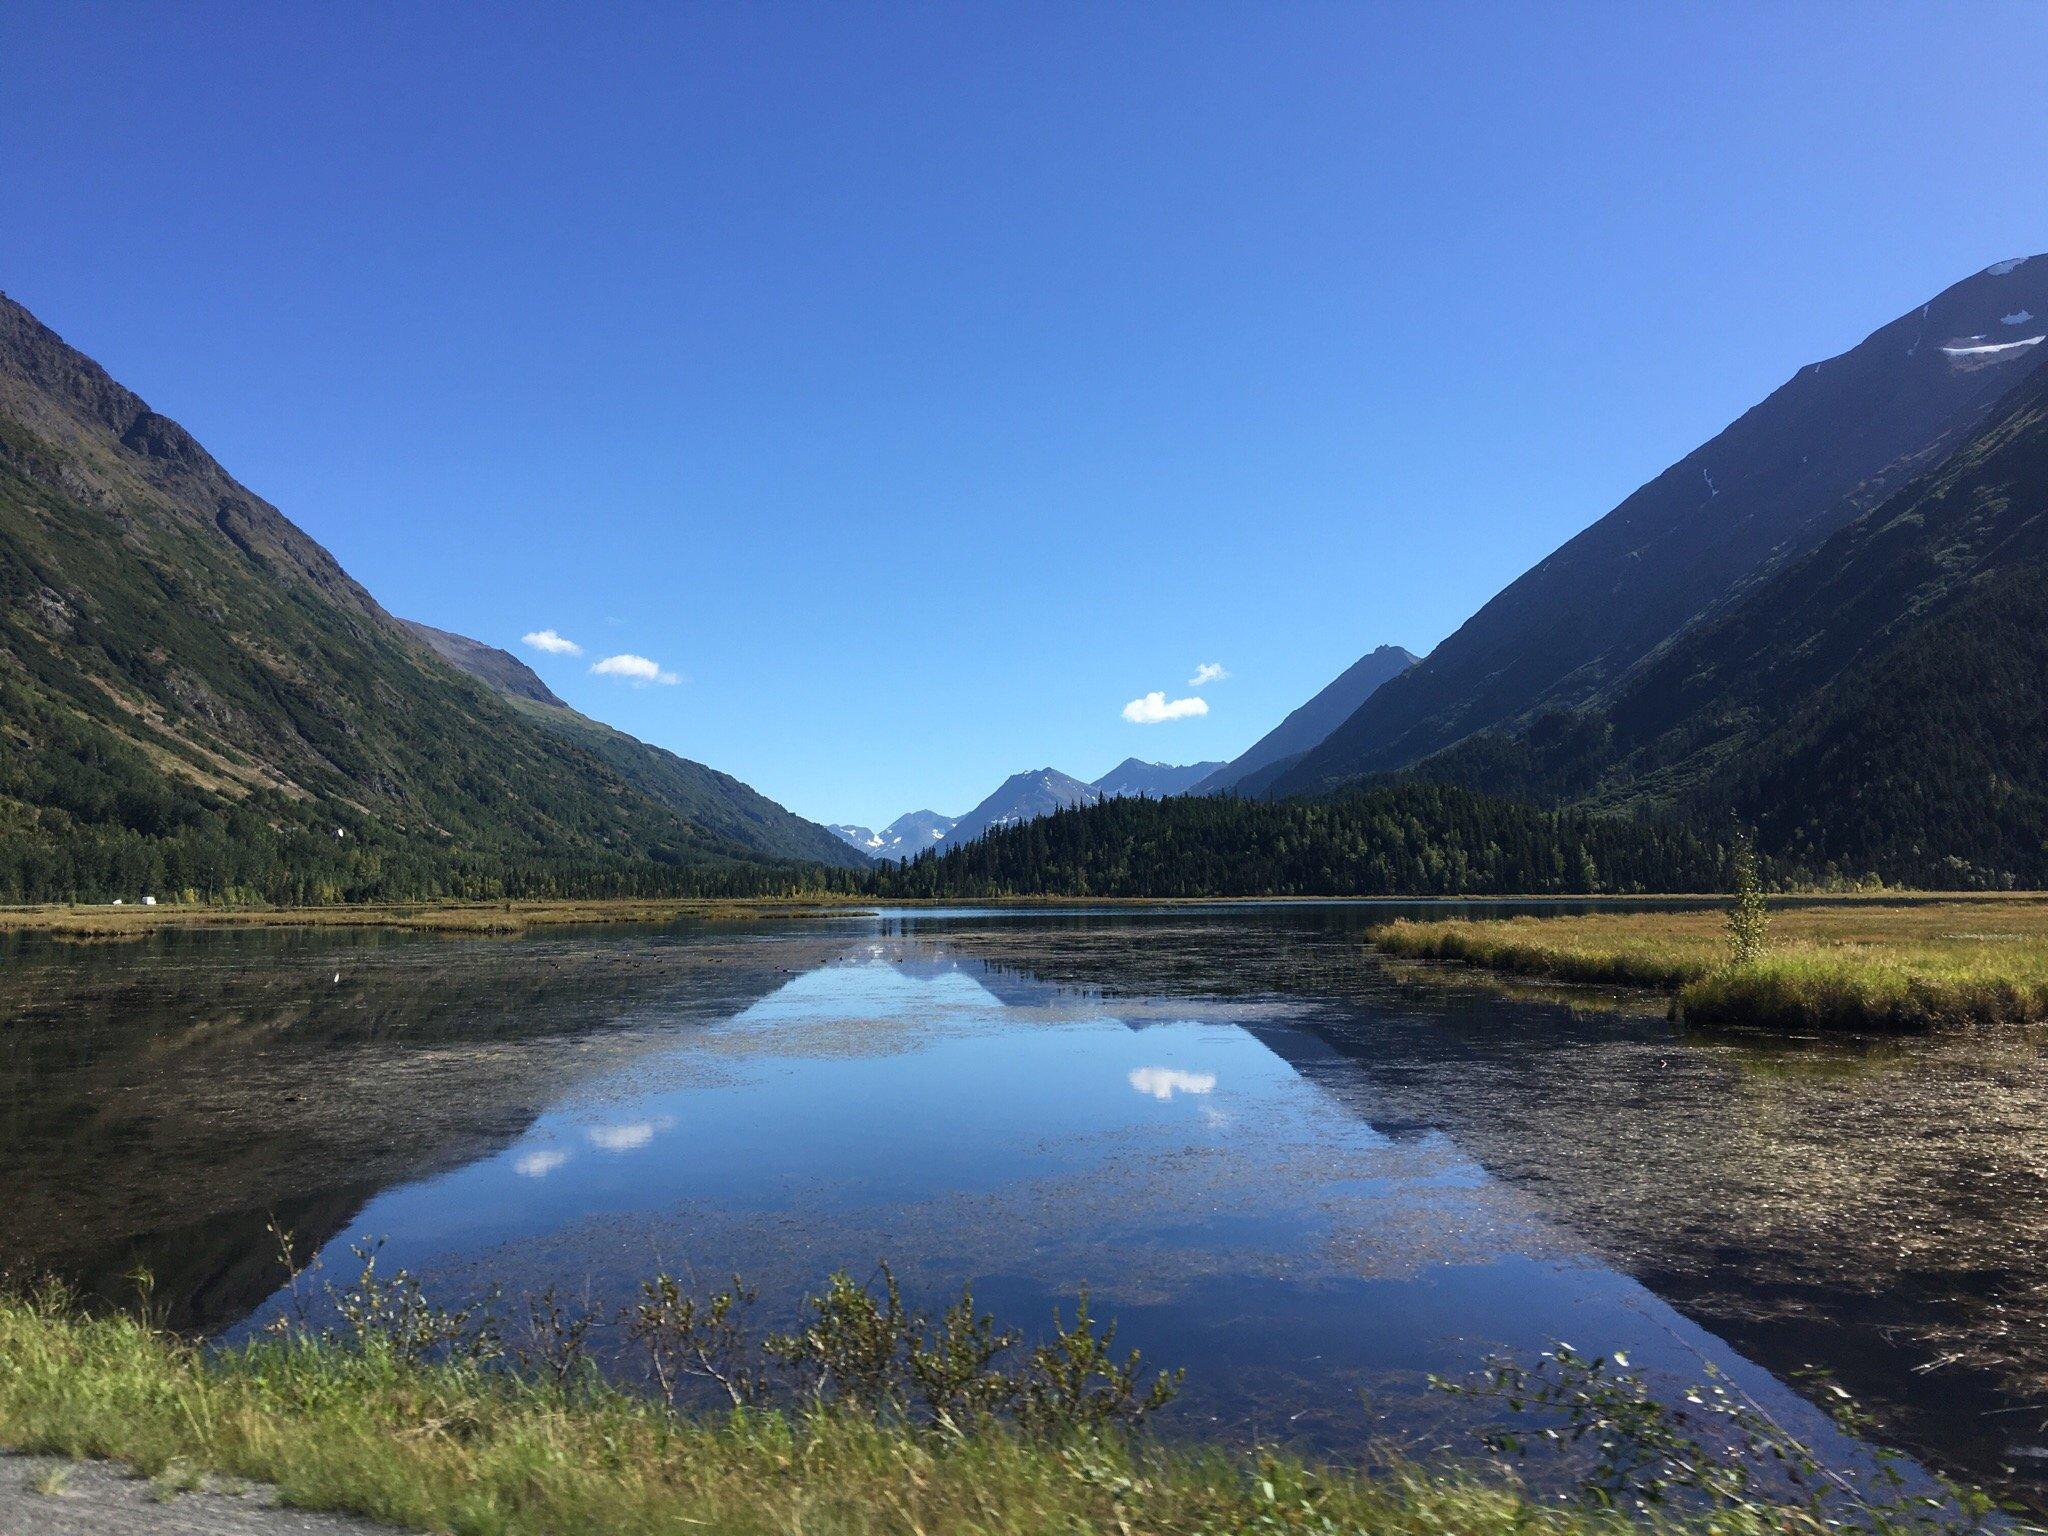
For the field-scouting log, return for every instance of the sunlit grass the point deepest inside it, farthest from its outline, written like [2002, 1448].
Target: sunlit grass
[1905, 966]
[110, 922]
[464, 1449]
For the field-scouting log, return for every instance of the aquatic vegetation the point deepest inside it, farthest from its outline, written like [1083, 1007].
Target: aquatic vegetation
[1833, 965]
[1719, 1448]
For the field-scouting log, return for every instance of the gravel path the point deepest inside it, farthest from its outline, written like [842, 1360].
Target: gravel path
[50, 1496]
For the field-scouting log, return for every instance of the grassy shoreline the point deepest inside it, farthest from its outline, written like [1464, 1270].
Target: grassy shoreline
[482, 917]
[456, 1448]
[1896, 966]
[99, 920]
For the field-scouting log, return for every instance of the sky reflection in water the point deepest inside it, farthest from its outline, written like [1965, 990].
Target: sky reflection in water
[1300, 1174]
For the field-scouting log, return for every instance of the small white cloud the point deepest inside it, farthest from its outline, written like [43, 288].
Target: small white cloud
[637, 670]
[1156, 706]
[1165, 1082]
[538, 1165]
[554, 644]
[624, 1138]
[1208, 672]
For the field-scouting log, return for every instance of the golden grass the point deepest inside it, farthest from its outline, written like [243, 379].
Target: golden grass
[109, 922]
[1893, 965]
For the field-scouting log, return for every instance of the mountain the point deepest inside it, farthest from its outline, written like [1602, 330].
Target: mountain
[866, 839]
[1023, 797]
[1308, 726]
[194, 696]
[904, 838]
[1834, 441]
[1878, 705]
[1020, 797]
[1132, 777]
[707, 798]
[910, 834]
[501, 669]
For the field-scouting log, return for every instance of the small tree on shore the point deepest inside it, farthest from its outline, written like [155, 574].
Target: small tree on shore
[1749, 914]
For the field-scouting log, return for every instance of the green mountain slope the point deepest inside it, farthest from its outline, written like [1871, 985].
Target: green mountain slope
[704, 796]
[195, 696]
[1837, 439]
[1879, 705]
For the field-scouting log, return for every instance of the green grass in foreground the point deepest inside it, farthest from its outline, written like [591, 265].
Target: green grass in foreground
[462, 1448]
[1834, 966]
[457, 1448]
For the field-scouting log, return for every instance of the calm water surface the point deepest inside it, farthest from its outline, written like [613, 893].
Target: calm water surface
[1309, 1177]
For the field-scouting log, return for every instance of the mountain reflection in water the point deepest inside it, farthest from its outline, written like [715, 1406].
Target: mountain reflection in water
[1296, 1171]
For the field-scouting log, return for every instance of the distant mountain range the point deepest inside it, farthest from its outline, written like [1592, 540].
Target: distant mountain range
[1132, 777]
[904, 838]
[195, 696]
[1041, 791]
[1024, 796]
[1021, 797]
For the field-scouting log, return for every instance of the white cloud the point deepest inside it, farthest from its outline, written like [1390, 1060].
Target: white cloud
[554, 644]
[1156, 706]
[637, 670]
[538, 1165]
[1165, 1082]
[1208, 672]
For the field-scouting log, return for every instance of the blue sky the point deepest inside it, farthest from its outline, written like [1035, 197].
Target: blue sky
[920, 385]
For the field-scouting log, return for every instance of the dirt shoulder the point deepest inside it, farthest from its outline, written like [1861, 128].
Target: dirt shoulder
[51, 1496]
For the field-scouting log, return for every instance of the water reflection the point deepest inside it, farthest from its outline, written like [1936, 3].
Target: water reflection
[1164, 1082]
[1279, 1163]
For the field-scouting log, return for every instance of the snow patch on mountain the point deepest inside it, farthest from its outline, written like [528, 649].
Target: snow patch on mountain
[1995, 348]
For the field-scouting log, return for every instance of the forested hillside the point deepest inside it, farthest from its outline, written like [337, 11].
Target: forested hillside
[1837, 439]
[1406, 839]
[194, 697]
[1877, 706]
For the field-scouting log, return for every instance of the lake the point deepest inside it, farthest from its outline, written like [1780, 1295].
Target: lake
[1310, 1177]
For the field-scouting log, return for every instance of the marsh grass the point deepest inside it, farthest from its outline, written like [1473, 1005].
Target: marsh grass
[1835, 966]
[400, 1418]
[455, 1446]
[102, 923]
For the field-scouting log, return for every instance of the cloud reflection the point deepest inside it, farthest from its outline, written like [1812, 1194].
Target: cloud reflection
[538, 1165]
[625, 1137]
[1164, 1082]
